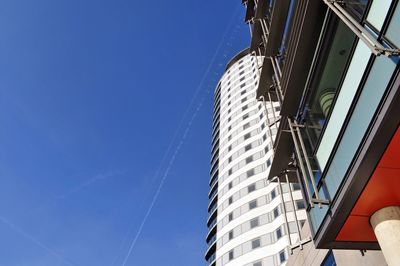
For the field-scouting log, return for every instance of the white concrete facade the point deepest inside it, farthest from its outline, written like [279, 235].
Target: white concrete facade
[250, 220]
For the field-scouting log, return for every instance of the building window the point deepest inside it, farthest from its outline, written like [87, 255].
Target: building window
[319, 103]
[230, 171]
[230, 217]
[254, 223]
[252, 204]
[278, 233]
[250, 173]
[282, 256]
[251, 188]
[245, 116]
[247, 136]
[243, 92]
[256, 243]
[230, 200]
[249, 159]
[230, 148]
[273, 194]
[244, 99]
[231, 255]
[244, 108]
[230, 185]
[268, 162]
[300, 204]
[296, 186]
[276, 213]
[243, 84]
[258, 263]
[246, 126]
[230, 235]
[230, 159]
[247, 147]
[329, 260]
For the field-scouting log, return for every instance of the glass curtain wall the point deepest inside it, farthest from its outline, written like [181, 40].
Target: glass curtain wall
[335, 53]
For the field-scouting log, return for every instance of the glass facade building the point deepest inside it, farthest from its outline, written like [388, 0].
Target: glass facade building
[333, 67]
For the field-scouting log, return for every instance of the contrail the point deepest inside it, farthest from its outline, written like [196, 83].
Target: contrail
[37, 242]
[181, 142]
[164, 177]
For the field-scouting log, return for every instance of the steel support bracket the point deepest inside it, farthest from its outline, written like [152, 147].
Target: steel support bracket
[276, 121]
[300, 244]
[388, 52]
[321, 201]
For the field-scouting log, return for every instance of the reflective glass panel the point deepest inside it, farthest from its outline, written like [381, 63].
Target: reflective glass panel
[377, 13]
[329, 72]
[349, 88]
[356, 7]
[371, 95]
[393, 32]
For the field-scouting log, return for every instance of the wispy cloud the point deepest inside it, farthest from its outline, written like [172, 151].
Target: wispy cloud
[79, 187]
[36, 241]
[89, 182]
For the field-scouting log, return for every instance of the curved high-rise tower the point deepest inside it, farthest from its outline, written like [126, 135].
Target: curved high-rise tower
[248, 224]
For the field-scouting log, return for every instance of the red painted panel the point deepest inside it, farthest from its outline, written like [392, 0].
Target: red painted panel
[391, 157]
[356, 227]
[382, 190]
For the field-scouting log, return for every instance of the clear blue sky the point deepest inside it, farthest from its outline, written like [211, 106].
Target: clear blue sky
[91, 95]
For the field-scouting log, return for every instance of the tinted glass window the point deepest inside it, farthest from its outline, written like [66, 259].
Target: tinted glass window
[282, 256]
[356, 7]
[254, 223]
[253, 204]
[328, 74]
[256, 243]
[251, 188]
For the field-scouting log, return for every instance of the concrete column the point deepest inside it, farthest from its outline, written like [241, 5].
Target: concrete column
[386, 225]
